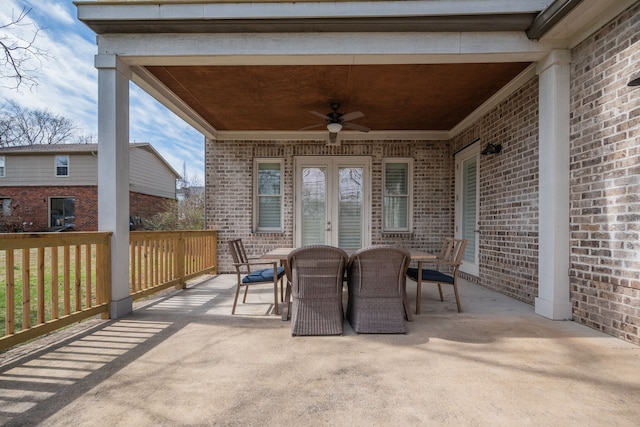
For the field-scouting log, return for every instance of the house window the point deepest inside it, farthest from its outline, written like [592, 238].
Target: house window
[397, 193]
[2, 167]
[62, 165]
[268, 198]
[5, 207]
[63, 211]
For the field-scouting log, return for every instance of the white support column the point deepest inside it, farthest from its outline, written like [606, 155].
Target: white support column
[113, 173]
[553, 299]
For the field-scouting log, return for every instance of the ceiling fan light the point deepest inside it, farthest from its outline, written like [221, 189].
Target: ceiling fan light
[334, 127]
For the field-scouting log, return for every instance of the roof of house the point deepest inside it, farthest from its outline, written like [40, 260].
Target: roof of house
[78, 148]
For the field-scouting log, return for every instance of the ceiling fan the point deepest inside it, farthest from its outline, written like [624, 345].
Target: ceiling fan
[335, 121]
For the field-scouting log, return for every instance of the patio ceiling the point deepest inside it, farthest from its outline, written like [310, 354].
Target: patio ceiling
[392, 97]
[277, 97]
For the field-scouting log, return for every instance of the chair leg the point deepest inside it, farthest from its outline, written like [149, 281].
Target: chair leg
[418, 296]
[275, 296]
[440, 290]
[235, 300]
[246, 289]
[455, 290]
[286, 306]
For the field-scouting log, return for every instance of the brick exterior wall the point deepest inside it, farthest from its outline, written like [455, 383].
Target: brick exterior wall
[605, 179]
[31, 204]
[229, 187]
[605, 186]
[508, 214]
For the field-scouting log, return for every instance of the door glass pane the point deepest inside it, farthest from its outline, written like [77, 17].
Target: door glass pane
[313, 204]
[469, 220]
[350, 207]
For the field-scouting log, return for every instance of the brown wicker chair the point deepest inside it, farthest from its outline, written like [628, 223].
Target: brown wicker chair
[316, 274]
[446, 272]
[376, 281]
[252, 276]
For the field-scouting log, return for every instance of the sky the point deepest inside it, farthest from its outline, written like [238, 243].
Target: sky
[67, 85]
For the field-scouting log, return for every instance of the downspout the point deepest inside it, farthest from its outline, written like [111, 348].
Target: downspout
[549, 17]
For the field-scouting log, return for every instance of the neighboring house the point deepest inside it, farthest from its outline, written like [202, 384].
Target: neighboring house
[48, 187]
[552, 219]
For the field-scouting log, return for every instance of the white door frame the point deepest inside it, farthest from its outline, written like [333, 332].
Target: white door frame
[467, 153]
[332, 163]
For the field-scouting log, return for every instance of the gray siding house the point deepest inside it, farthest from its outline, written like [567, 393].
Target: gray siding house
[48, 187]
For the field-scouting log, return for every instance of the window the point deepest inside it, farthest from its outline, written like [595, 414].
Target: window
[62, 165]
[5, 207]
[268, 198]
[62, 211]
[2, 167]
[397, 193]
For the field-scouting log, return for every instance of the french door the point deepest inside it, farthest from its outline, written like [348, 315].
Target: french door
[467, 205]
[332, 201]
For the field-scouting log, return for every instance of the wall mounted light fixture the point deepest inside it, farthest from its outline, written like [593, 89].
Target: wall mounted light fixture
[634, 82]
[491, 149]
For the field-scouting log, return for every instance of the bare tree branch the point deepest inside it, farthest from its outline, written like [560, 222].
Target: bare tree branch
[20, 126]
[20, 58]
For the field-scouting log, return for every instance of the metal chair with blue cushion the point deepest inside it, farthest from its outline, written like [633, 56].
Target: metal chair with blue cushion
[446, 272]
[244, 265]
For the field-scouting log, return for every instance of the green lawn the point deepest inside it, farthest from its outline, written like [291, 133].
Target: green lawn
[18, 268]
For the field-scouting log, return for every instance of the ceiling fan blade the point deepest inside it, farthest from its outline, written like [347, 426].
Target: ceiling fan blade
[315, 113]
[314, 126]
[356, 127]
[352, 116]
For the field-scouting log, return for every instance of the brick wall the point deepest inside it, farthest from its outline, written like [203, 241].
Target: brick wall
[508, 214]
[147, 206]
[229, 189]
[32, 205]
[605, 179]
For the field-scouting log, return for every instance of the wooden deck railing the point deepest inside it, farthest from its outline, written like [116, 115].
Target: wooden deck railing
[163, 259]
[51, 280]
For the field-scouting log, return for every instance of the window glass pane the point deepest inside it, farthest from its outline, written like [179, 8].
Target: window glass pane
[469, 183]
[350, 207]
[396, 197]
[63, 212]
[396, 212]
[62, 165]
[269, 208]
[269, 197]
[314, 180]
[396, 178]
[269, 178]
[1, 166]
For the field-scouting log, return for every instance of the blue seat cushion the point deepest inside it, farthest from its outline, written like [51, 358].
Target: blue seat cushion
[265, 275]
[430, 275]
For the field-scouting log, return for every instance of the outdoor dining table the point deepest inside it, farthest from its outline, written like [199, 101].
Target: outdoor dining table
[281, 254]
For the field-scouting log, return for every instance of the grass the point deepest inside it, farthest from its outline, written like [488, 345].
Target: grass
[19, 267]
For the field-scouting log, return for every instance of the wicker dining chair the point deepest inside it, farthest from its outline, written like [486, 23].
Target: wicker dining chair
[249, 275]
[376, 283]
[316, 274]
[446, 272]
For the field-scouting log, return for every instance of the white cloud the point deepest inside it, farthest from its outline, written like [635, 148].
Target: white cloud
[68, 86]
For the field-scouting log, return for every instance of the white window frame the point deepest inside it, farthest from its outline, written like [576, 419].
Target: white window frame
[409, 162]
[55, 164]
[256, 196]
[2, 167]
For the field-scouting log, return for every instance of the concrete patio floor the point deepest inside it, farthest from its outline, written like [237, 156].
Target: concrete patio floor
[182, 359]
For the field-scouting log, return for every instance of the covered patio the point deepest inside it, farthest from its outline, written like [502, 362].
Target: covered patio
[182, 359]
